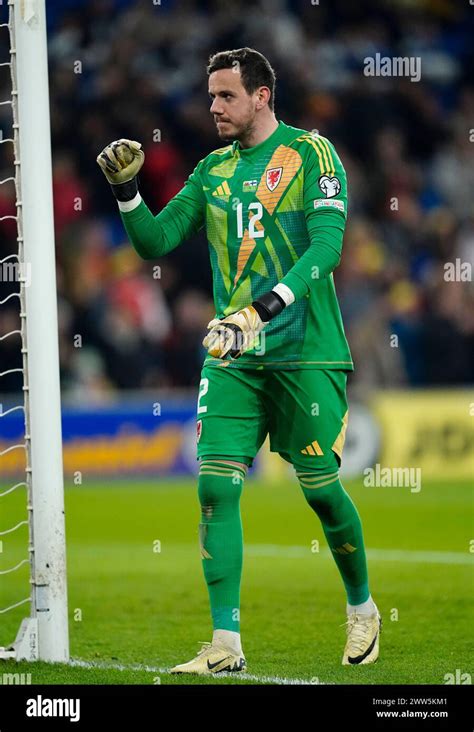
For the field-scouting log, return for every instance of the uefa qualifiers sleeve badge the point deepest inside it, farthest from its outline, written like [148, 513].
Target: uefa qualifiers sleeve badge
[330, 186]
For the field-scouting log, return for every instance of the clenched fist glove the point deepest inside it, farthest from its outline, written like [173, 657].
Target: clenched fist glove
[120, 162]
[237, 333]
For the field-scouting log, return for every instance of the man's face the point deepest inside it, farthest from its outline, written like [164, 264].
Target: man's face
[233, 109]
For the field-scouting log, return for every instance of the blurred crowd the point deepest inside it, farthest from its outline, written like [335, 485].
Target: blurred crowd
[137, 70]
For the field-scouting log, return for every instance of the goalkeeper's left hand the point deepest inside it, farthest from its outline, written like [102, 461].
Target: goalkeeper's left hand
[232, 336]
[237, 333]
[120, 162]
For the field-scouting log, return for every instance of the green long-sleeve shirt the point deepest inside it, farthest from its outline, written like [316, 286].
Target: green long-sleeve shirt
[273, 213]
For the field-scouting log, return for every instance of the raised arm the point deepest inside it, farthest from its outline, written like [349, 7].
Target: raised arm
[152, 236]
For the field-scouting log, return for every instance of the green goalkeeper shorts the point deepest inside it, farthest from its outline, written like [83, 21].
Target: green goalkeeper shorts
[304, 412]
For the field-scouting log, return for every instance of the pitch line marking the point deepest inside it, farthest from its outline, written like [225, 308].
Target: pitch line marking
[382, 555]
[78, 662]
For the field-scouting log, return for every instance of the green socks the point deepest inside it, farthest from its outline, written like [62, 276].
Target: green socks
[342, 528]
[221, 541]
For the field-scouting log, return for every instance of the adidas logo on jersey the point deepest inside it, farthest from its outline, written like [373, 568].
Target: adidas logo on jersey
[312, 449]
[222, 191]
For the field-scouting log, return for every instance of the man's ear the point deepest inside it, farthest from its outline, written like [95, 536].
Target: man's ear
[263, 95]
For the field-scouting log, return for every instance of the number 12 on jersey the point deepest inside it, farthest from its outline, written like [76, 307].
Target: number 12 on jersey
[253, 232]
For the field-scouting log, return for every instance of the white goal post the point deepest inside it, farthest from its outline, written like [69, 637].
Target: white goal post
[44, 634]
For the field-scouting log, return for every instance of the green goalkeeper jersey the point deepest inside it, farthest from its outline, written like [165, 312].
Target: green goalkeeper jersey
[273, 213]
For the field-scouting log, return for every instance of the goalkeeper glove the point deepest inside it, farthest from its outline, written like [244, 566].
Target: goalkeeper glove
[237, 333]
[120, 162]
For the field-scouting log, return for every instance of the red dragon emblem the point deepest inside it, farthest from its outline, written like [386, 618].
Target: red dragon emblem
[273, 178]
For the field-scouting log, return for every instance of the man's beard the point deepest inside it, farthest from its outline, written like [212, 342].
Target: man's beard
[226, 136]
[239, 133]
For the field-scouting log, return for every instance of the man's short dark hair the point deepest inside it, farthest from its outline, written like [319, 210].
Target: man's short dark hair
[255, 69]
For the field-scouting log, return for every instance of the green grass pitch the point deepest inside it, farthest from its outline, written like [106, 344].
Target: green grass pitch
[138, 602]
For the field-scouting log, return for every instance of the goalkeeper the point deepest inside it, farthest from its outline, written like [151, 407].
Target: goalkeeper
[273, 202]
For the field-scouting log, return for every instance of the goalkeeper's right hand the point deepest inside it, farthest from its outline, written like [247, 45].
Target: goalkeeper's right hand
[120, 162]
